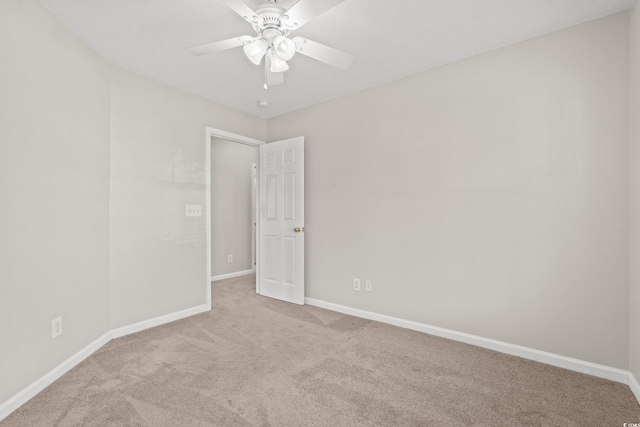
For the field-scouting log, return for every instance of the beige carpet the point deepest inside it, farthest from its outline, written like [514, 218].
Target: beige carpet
[253, 361]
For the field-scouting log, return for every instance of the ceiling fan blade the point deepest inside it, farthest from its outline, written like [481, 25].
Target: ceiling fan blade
[217, 46]
[323, 53]
[274, 79]
[241, 8]
[305, 10]
[271, 78]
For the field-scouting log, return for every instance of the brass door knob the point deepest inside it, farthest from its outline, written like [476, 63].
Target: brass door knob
[298, 229]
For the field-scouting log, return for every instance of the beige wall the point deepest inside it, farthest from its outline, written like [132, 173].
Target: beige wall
[231, 206]
[488, 196]
[96, 166]
[158, 256]
[634, 300]
[54, 194]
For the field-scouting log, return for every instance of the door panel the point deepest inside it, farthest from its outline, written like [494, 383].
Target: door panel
[281, 272]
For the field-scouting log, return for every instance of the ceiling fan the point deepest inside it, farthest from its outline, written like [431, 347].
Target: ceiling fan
[273, 24]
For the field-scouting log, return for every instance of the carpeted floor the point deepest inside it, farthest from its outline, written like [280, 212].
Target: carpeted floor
[253, 361]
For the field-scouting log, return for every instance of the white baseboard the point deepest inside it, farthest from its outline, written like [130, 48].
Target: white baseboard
[577, 365]
[157, 321]
[232, 275]
[43, 382]
[635, 387]
[47, 379]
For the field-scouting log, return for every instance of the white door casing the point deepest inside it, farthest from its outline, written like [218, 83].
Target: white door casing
[209, 134]
[281, 222]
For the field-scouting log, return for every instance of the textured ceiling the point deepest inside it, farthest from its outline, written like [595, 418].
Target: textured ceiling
[388, 39]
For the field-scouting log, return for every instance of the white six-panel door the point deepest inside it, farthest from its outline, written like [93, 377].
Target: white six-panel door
[281, 235]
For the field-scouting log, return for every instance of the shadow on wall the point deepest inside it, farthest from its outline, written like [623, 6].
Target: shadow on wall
[183, 182]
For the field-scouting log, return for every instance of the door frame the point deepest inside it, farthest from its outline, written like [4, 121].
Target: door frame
[241, 139]
[254, 217]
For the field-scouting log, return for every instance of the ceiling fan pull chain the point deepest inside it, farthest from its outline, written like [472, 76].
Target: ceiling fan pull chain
[265, 75]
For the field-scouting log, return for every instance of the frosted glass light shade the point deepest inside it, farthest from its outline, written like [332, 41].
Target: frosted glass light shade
[284, 48]
[278, 65]
[256, 50]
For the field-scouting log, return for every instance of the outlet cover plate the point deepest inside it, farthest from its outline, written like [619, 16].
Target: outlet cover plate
[56, 327]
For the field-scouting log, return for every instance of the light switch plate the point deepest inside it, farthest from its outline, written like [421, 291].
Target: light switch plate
[193, 210]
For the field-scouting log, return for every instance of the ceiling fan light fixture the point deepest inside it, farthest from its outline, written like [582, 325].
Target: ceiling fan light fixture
[284, 48]
[256, 50]
[278, 65]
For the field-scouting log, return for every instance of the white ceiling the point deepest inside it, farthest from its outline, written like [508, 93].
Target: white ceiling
[388, 39]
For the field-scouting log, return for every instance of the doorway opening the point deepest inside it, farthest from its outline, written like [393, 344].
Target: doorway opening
[232, 191]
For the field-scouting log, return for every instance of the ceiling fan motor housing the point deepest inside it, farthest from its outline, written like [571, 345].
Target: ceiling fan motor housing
[269, 18]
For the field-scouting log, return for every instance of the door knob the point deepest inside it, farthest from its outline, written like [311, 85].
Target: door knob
[298, 229]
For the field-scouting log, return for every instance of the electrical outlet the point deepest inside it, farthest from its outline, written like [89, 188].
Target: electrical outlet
[367, 286]
[56, 327]
[230, 258]
[193, 210]
[356, 284]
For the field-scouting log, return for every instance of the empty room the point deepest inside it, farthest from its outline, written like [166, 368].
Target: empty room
[319, 212]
